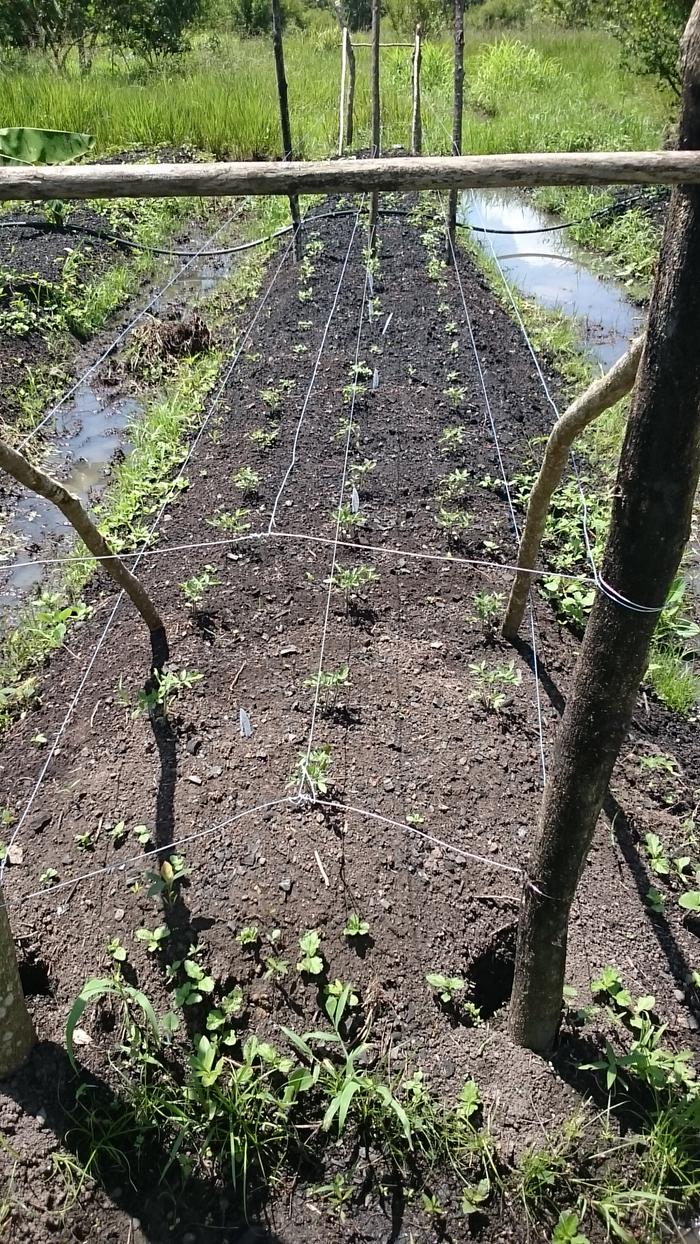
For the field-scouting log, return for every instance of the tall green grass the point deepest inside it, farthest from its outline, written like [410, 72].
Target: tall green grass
[547, 90]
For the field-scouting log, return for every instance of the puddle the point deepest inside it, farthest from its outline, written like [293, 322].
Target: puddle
[549, 268]
[90, 431]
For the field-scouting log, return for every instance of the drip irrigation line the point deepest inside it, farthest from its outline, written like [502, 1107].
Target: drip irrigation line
[288, 801]
[107, 236]
[306, 537]
[305, 777]
[504, 476]
[314, 373]
[213, 406]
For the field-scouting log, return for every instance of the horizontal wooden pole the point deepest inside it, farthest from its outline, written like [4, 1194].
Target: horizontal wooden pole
[111, 181]
[383, 45]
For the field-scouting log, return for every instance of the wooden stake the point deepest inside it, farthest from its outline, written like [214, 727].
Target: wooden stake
[376, 119]
[416, 123]
[284, 117]
[599, 397]
[352, 74]
[343, 76]
[650, 523]
[458, 107]
[31, 477]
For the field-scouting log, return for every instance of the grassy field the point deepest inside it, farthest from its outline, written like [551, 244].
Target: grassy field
[545, 89]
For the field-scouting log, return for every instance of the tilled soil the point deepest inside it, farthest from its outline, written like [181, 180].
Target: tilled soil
[414, 757]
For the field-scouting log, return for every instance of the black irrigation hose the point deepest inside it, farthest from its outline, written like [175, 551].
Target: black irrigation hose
[106, 236]
[45, 226]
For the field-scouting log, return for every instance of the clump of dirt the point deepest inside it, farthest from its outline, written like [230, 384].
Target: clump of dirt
[160, 343]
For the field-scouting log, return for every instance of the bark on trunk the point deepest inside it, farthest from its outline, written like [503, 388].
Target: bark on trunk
[16, 1031]
[656, 486]
[416, 121]
[599, 397]
[376, 119]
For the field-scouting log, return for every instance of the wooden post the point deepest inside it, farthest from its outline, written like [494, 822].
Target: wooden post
[352, 73]
[343, 76]
[456, 121]
[416, 124]
[16, 1031]
[284, 116]
[598, 397]
[651, 515]
[31, 477]
[376, 119]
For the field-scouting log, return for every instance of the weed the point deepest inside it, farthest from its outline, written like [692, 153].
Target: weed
[658, 860]
[116, 950]
[455, 522]
[248, 936]
[359, 471]
[455, 394]
[49, 876]
[164, 883]
[353, 579]
[85, 841]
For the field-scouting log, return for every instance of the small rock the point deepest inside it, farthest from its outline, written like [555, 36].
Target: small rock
[388, 784]
[119, 913]
[193, 746]
[448, 1068]
[692, 1023]
[679, 995]
[215, 771]
[286, 885]
[194, 779]
[15, 854]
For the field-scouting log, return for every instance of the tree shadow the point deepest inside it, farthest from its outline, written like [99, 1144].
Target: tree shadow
[145, 1185]
[624, 836]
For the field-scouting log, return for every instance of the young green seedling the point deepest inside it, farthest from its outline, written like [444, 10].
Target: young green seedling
[311, 962]
[355, 926]
[246, 480]
[195, 588]
[231, 521]
[153, 938]
[446, 987]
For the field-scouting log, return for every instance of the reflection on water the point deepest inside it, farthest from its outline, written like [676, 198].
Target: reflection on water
[549, 269]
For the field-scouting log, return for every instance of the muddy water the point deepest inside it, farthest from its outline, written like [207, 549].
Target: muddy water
[548, 268]
[89, 432]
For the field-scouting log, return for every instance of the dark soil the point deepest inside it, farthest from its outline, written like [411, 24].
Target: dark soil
[406, 740]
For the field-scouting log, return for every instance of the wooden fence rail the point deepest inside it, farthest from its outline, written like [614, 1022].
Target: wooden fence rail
[111, 181]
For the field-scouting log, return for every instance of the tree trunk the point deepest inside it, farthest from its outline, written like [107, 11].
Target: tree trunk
[458, 107]
[656, 485]
[598, 397]
[16, 1031]
[30, 477]
[284, 116]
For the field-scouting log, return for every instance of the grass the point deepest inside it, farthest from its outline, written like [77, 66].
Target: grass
[568, 92]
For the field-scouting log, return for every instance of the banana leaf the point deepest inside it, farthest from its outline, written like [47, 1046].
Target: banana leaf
[22, 145]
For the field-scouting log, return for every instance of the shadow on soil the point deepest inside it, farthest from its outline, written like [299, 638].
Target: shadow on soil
[624, 836]
[165, 1207]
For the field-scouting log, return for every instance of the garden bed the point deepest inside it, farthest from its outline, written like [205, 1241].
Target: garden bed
[415, 735]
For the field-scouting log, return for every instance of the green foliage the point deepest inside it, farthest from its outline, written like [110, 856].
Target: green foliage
[166, 686]
[29, 146]
[509, 65]
[355, 926]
